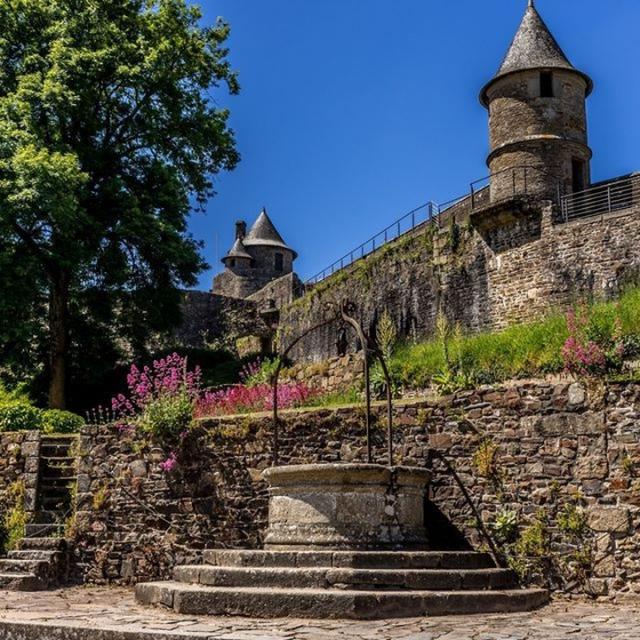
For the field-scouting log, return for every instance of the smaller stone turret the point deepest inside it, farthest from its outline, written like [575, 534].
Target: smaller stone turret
[255, 259]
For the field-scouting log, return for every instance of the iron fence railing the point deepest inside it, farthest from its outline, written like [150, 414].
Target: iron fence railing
[521, 181]
[425, 213]
[517, 181]
[604, 198]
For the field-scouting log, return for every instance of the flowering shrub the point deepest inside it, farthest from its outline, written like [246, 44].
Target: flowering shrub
[161, 401]
[259, 372]
[593, 347]
[244, 399]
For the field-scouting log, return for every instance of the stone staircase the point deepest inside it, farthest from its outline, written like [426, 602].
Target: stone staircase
[40, 562]
[57, 476]
[37, 564]
[341, 584]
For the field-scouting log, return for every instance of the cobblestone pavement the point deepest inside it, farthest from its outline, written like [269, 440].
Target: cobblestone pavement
[97, 613]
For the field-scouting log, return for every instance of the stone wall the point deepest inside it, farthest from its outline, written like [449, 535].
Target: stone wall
[336, 375]
[504, 265]
[19, 463]
[550, 445]
[279, 292]
[213, 320]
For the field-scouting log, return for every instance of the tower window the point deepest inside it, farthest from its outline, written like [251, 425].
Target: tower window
[279, 262]
[232, 262]
[546, 84]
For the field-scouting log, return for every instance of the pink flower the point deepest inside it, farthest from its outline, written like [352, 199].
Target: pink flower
[168, 375]
[170, 463]
[583, 356]
[244, 399]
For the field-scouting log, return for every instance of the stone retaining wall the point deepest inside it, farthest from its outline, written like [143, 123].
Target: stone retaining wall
[334, 375]
[549, 446]
[19, 463]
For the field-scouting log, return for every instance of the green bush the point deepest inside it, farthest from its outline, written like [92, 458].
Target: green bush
[20, 417]
[18, 414]
[56, 421]
[167, 416]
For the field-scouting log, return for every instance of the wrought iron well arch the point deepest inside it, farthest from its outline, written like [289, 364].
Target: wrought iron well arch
[369, 348]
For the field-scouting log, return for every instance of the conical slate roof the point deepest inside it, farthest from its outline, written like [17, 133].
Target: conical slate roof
[237, 251]
[264, 233]
[533, 47]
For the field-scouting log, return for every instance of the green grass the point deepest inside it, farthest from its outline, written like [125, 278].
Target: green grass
[520, 351]
[352, 396]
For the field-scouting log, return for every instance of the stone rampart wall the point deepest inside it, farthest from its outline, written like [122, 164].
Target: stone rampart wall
[218, 321]
[512, 266]
[549, 446]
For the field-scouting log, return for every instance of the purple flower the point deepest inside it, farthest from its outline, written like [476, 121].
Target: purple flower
[170, 463]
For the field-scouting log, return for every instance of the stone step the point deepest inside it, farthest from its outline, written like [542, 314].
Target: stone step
[46, 517]
[54, 544]
[58, 503]
[334, 578]
[46, 555]
[21, 582]
[55, 454]
[43, 530]
[65, 479]
[35, 567]
[326, 603]
[351, 559]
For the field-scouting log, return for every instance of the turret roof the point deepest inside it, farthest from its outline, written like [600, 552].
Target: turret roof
[264, 233]
[238, 251]
[533, 47]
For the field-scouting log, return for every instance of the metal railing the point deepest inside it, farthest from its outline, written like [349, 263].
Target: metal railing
[610, 197]
[523, 180]
[516, 181]
[423, 214]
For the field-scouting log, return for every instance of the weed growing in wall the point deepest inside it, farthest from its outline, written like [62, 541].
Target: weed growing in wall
[505, 527]
[485, 460]
[15, 520]
[555, 544]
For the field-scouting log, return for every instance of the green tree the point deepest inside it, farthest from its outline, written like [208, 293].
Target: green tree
[109, 136]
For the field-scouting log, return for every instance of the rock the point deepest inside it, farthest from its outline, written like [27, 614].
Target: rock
[138, 468]
[577, 394]
[610, 519]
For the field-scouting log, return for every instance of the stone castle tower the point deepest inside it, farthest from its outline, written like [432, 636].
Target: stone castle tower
[537, 117]
[255, 259]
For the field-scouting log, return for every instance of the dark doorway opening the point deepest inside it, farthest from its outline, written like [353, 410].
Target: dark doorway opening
[578, 178]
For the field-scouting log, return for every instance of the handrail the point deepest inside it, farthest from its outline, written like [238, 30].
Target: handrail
[498, 557]
[380, 239]
[430, 212]
[523, 171]
[608, 197]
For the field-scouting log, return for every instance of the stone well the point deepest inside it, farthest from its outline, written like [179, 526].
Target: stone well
[346, 506]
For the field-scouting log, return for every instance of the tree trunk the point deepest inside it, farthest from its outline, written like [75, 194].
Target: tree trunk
[58, 337]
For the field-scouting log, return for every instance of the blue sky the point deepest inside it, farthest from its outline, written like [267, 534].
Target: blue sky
[353, 112]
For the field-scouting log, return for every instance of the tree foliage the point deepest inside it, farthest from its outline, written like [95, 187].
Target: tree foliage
[109, 134]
